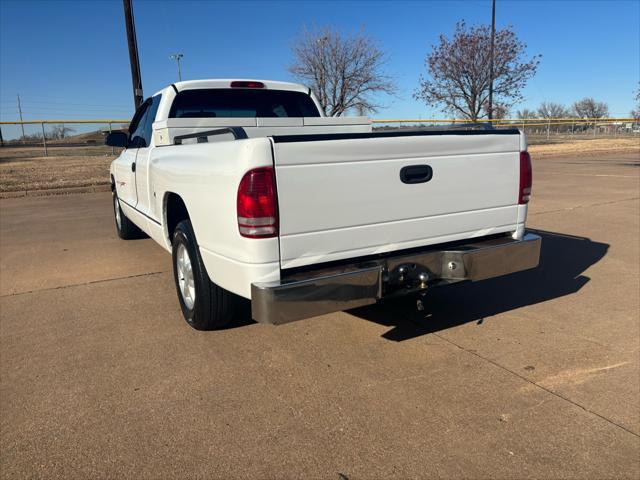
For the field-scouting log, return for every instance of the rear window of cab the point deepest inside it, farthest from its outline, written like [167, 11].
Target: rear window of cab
[242, 103]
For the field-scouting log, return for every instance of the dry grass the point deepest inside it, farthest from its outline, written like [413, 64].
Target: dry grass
[37, 173]
[10, 154]
[25, 169]
[587, 147]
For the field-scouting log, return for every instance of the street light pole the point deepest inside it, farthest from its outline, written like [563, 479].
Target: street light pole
[493, 34]
[177, 57]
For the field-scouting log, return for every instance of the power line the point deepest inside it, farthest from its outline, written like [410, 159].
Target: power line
[30, 108]
[41, 114]
[54, 100]
[30, 102]
[67, 107]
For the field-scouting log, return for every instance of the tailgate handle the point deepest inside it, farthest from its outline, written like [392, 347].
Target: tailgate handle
[416, 174]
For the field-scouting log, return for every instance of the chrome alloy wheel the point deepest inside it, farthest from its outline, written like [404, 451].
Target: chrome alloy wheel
[116, 209]
[185, 276]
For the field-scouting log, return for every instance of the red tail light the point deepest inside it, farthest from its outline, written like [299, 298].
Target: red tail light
[257, 204]
[246, 84]
[526, 178]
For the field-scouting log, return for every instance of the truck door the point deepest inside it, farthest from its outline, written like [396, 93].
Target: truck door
[125, 165]
[144, 190]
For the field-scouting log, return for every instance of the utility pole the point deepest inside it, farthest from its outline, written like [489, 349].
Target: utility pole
[133, 53]
[20, 113]
[177, 57]
[493, 34]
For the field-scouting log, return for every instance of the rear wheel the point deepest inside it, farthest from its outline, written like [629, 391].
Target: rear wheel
[126, 229]
[205, 305]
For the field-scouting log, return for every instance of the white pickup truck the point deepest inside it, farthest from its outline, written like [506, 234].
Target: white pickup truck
[257, 195]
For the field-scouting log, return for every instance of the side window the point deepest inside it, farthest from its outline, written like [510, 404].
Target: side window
[136, 129]
[150, 118]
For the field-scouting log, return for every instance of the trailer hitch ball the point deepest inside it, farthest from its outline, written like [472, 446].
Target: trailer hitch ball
[452, 265]
[402, 271]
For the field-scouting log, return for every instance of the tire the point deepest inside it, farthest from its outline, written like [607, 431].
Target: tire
[126, 229]
[205, 305]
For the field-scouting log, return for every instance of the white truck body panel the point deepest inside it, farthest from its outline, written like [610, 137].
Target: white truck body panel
[166, 130]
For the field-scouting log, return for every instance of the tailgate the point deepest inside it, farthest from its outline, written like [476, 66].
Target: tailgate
[342, 196]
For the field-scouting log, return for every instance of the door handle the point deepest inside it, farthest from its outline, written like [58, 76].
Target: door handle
[416, 174]
[133, 166]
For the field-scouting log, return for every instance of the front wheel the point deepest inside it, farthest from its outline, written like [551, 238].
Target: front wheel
[205, 305]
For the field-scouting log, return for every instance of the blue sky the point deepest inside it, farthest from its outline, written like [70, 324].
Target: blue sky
[69, 59]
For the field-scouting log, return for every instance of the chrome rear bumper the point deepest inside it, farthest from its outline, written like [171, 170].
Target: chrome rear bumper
[331, 290]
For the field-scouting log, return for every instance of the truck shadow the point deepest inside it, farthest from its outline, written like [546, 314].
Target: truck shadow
[563, 259]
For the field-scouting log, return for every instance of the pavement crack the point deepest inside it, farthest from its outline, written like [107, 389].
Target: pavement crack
[537, 385]
[585, 206]
[93, 282]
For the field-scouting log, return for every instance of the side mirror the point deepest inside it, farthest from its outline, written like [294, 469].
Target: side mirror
[117, 139]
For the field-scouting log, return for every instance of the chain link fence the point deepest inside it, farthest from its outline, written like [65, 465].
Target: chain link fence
[45, 156]
[57, 138]
[538, 130]
[86, 138]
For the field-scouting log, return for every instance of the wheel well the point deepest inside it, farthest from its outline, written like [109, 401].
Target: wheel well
[113, 184]
[175, 212]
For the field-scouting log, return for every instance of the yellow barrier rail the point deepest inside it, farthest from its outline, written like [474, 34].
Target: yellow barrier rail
[48, 122]
[520, 121]
[508, 121]
[502, 122]
[590, 123]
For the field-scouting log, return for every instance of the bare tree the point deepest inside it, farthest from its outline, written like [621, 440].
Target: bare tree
[458, 71]
[345, 72]
[590, 108]
[553, 110]
[526, 113]
[636, 112]
[500, 111]
[60, 131]
[31, 137]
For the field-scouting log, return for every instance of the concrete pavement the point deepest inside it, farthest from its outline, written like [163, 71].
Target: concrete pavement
[528, 376]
